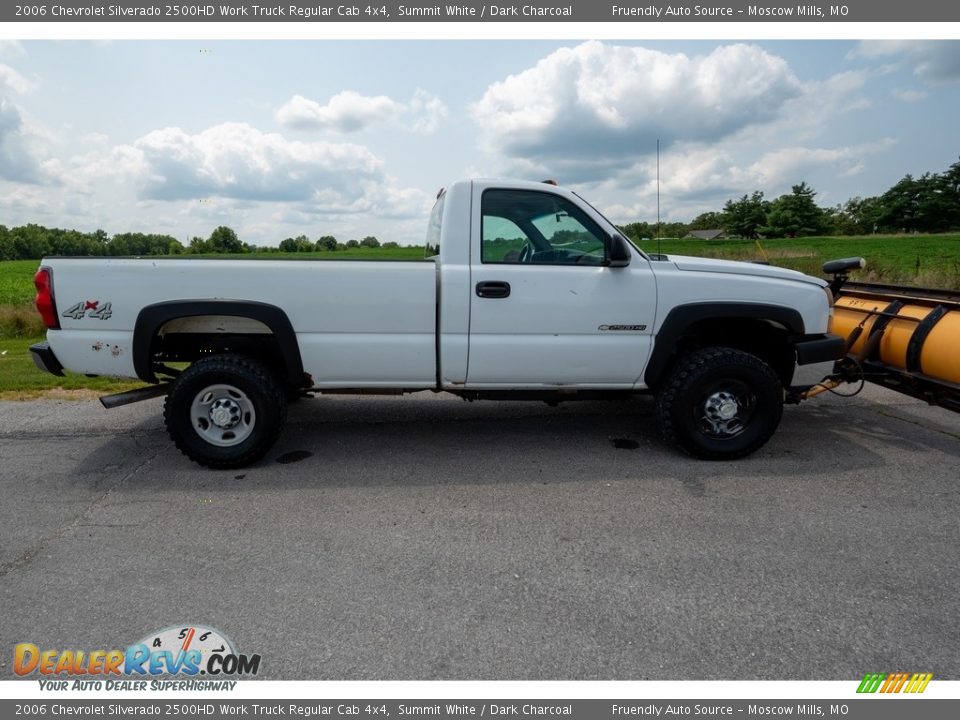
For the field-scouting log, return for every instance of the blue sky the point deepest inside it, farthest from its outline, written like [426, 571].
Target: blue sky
[353, 138]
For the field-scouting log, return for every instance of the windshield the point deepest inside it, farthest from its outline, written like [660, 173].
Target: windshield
[614, 226]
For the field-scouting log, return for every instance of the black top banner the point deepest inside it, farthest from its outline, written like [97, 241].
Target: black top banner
[474, 11]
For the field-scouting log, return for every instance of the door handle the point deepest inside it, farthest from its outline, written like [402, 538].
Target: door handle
[493, 289]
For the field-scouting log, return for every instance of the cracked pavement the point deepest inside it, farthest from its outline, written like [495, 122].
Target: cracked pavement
[428, 538]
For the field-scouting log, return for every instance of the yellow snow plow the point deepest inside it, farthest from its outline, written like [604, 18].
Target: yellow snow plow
[904, 338]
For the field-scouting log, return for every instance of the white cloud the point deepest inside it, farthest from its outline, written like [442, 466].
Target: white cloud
[426, 112]
[819, 105]
[788, 165]
[695, 178]
[261, 184]
[837, 90]
[234, 167]
[936, 61]
[95, 138]
[237, 161]
[11, 48]
[714, 114]
[908, 96]
[89, 171]
[602, 104]
[12, 82]
[349, 111]
[29, 200]
[18, 159]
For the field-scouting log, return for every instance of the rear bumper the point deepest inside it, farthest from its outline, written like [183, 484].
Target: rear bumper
[819, 348]
[45, 360]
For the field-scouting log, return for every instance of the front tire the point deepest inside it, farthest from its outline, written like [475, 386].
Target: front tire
[225, 411]
[720, 404]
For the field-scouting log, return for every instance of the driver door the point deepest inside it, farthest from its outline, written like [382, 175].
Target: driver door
[545, 310]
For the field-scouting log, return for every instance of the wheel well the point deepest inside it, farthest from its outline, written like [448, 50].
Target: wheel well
[176, 347]
[767, 340]
[187, 330]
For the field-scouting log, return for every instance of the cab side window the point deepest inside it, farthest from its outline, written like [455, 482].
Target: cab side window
[525, 226]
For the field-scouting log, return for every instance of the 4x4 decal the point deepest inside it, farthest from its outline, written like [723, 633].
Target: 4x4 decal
[89, 308]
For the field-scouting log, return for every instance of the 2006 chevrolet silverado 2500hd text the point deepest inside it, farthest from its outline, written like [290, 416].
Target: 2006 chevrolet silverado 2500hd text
[533, 294]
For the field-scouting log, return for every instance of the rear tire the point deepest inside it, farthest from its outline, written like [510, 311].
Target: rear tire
[720, 404]
[225, 411]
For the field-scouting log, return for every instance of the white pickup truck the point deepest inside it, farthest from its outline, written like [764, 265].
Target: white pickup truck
[532, 294]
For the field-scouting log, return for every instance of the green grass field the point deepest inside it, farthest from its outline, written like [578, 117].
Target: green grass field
[16, 281]
[920, 260]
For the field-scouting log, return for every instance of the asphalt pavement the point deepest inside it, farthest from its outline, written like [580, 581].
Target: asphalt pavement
[426, 537]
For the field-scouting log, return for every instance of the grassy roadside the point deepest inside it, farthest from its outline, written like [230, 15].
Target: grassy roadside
[21, 327]
[21, 380]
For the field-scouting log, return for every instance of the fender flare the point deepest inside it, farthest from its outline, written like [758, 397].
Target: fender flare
[681, 318]
[153, 317]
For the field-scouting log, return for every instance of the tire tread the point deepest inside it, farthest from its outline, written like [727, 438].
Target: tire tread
[688, 371]
[253, 372]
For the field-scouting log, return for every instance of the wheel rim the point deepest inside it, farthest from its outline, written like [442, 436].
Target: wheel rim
[726, 410]
[222, 415]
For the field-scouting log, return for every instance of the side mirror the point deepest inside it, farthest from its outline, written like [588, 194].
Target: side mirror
[618, 252]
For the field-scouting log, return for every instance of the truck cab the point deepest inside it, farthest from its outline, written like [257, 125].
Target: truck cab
[538, 291]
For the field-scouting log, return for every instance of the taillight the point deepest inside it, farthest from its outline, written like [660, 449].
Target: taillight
[45, 303]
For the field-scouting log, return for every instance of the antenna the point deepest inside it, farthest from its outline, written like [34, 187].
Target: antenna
[658, 196]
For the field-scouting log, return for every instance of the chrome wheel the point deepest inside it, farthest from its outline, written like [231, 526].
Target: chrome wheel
[725, 412]
[222, 415]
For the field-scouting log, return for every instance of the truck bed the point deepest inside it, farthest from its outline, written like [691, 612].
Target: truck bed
[348, 314]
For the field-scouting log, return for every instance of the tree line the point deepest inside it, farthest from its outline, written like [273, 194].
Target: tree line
[32, 242]
[328, 243]
[926, 204]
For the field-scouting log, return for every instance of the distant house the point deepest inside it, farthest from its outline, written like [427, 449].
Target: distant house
[705, 235]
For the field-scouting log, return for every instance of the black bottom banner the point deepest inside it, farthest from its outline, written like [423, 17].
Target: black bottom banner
[875, 708]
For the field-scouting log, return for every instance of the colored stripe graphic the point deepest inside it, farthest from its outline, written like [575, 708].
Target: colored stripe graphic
[918, 683]
[889, 682]
[894, 682]
[898, 681]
